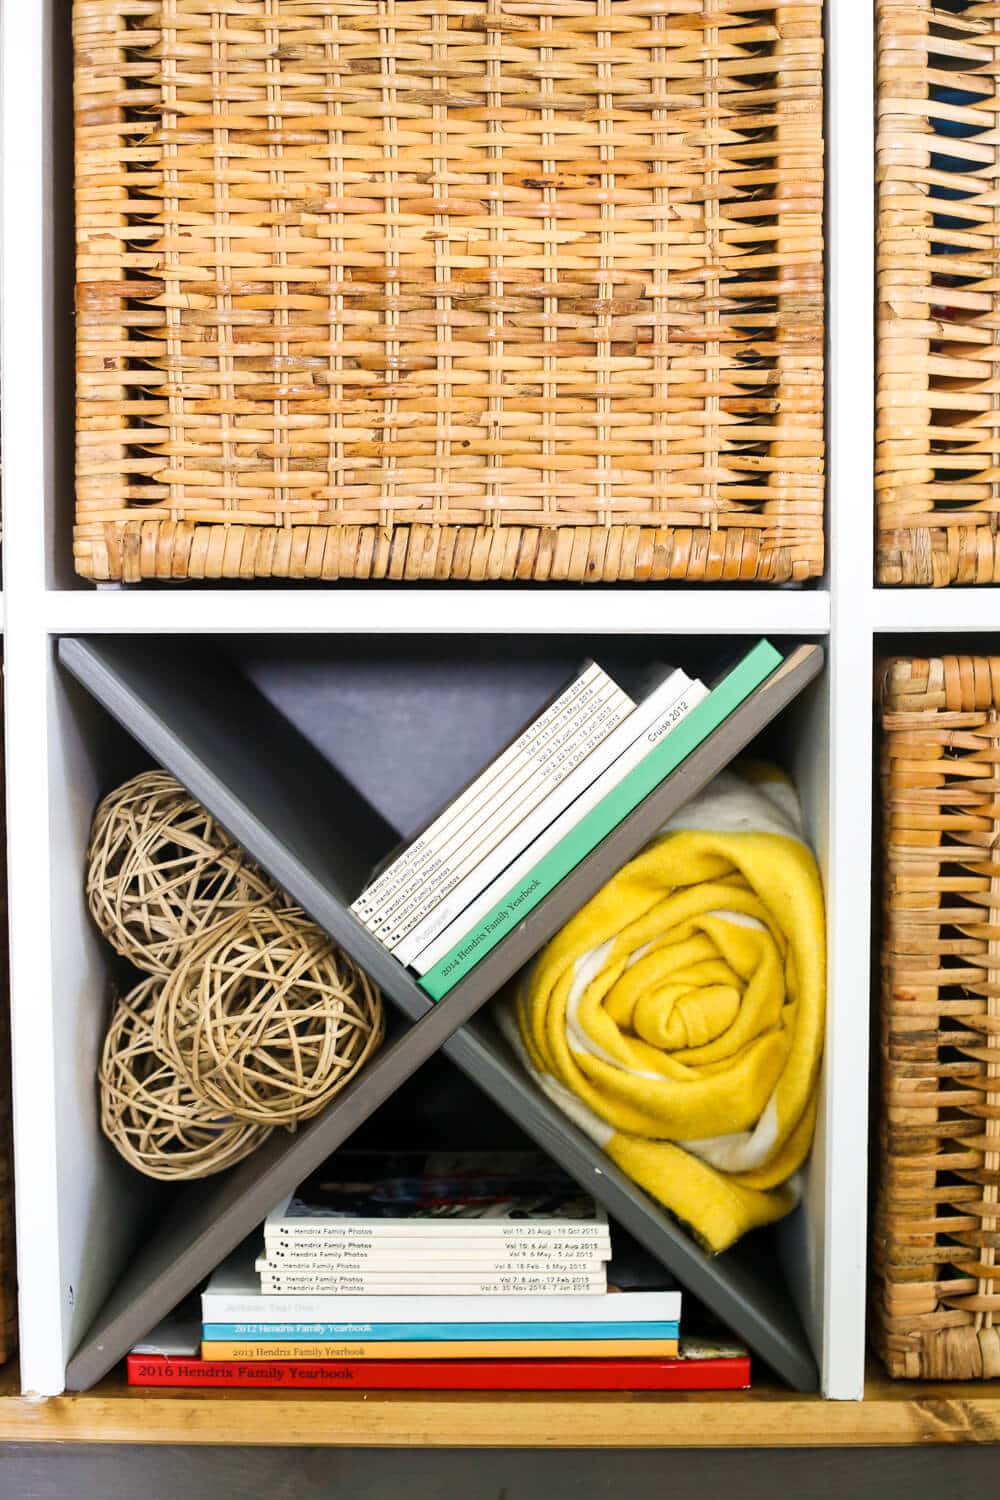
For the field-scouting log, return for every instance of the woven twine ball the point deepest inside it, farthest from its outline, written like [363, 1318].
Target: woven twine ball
[150, 1112]
[268, 1017]
[161, 872]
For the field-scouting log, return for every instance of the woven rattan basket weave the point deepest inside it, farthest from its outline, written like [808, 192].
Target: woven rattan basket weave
[436, 289]
[937, 1233]
[938, 441]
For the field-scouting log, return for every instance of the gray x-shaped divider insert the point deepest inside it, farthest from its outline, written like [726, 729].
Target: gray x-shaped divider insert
[274, 793]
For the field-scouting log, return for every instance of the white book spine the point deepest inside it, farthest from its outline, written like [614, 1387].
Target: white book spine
[601, 1307]
[438, 1232]
[486, 1286]
[595, 704]
[606, 755]
[315, 1262]
[438, 939]
[539, 727]
[490, 1252]
[531, 770]
[426, 1278]
[504, 824]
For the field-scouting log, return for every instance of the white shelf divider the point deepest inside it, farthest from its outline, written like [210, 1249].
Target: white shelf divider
[395, 610]
[850, 394]
[934, 611]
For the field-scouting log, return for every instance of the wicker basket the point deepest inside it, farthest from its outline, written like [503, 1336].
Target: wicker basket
[435, 289]
[937, 1231]
[938, 439]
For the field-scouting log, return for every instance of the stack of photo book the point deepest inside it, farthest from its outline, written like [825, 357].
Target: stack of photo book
[412, 1270]
[446, 898]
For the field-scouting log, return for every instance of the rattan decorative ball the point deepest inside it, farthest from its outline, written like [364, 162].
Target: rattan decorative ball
[268, 1017]
[161, 872]
[150, 1112]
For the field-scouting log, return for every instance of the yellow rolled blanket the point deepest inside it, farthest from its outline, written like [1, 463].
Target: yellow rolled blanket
[678, 1017]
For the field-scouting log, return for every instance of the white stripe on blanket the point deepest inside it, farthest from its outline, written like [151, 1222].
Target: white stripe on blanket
[586, 968]
[744, 1149]
[727, 806]
[727, 1153]
[729, 810]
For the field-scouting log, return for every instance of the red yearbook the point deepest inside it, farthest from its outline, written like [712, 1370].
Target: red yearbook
[701, 1367]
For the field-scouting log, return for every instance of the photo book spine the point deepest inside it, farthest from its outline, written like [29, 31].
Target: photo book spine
[292, 1283]
[664, 1348]
[448, 924]
[533, 735]
[314, 1259]
[230, 1307]
[471, 1375]
[571, 1330]
[505, 803]
[434, 1232]
[488, 862]
[524, 895]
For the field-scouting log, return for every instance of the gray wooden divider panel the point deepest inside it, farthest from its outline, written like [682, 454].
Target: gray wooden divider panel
[318, 838]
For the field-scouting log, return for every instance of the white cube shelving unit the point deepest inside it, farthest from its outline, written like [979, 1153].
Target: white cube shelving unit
[75, 1204]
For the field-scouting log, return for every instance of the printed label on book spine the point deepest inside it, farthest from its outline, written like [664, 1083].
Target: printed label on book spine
[532, 736]
[360, 1285]
[594, 713]
[503, 825]
[315, 1257]
[456, 918]
[603, 768]
[432, 1231]
[538, 772]
[553, 866]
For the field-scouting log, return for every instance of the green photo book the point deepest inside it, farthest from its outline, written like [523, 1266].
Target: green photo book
[532, 886]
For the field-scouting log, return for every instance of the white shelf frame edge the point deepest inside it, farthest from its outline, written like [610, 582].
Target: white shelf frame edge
[912, 611]
[444, 611]
[28, 431]
[850, 612]
[850, 393]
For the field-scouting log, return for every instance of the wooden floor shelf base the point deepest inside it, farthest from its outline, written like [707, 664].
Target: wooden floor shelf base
[892, 1414]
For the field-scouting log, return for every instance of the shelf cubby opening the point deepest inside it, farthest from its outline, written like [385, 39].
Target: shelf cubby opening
[317, 755]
